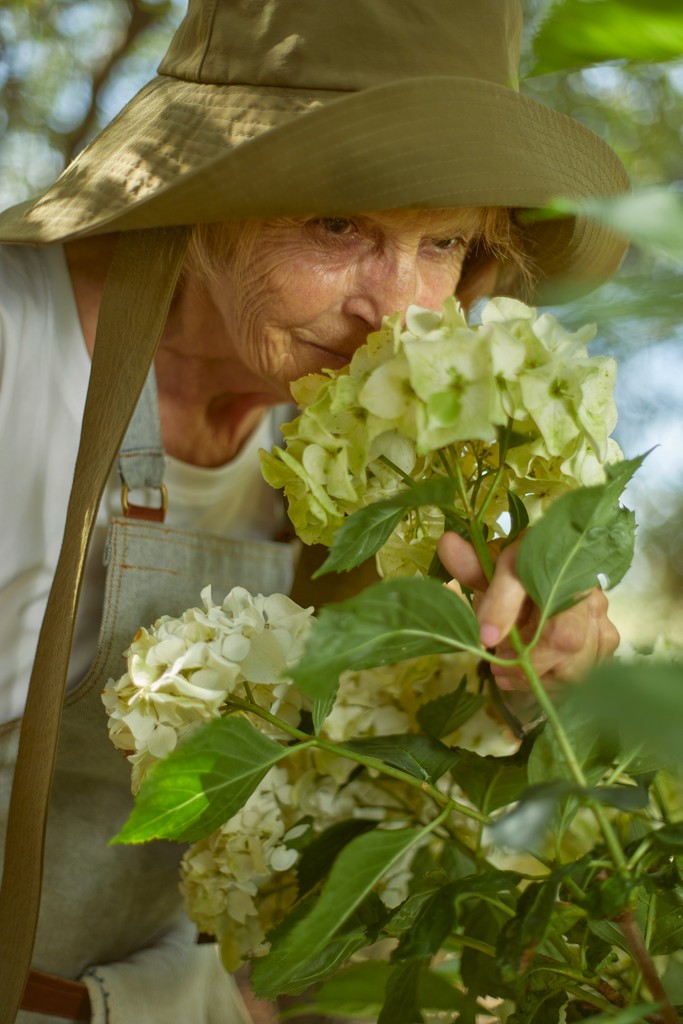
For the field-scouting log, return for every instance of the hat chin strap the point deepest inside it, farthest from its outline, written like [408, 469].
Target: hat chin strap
[135, 303]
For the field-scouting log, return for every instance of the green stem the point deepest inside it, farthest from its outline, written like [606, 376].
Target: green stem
[474, 529]
[565, 746]
[660, 797]
[499, 704]
[620, 768]
[548, 709]
[643, 847]
[490, 494]
[640, 953]
[502, 455]
[456, 941]
[397, 469]
[584, 996]
[446, 464]
[368, 762]
[539, 691]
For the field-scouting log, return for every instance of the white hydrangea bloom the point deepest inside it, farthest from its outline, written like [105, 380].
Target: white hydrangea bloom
[238, 882]
[182, 671]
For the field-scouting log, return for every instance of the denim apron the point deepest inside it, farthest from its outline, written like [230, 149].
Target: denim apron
[101, 903]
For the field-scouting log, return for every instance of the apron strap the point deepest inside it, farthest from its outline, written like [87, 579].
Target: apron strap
[141, 459]
[135, 303]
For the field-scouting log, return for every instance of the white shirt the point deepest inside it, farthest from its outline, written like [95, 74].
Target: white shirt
[44, 371]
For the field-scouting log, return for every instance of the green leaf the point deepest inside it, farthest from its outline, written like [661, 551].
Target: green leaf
[577, 33]
[625, 798]
[400, 1005]
[670, 837]
[322, 706]
[421, 756]
[609, 931]
[519, 517]
[541, 1006]
[589, 744]
[442, 716]
[431, 928]
[637, 705]
[652, 219]
[405, 915]
[488, 781]
[359, 991]
[389, 622]
[493, 880]
[673, 980]
[358, 867]
[327, 962]
[668, 930]
[523, 827]
[520, 937]
[356, 990]
[481, 973]
[489, 882]
[607, 898]
[318, 857]
[584, 535]
[639, 1014]
[364, 532]
[206, 780]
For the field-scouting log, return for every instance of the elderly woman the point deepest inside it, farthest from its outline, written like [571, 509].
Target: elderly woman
[339, 162]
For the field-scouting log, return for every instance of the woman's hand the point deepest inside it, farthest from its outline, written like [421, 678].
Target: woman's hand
[571, 641]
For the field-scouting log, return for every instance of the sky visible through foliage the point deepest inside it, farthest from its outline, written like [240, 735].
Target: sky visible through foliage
[67, 66]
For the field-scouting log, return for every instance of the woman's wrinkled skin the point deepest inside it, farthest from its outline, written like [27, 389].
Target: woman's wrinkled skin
[303, 297]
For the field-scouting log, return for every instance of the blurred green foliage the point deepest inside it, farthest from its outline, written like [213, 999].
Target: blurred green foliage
[617, 66]
[577, 33]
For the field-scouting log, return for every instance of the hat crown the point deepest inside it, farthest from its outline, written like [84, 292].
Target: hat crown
[344, 45]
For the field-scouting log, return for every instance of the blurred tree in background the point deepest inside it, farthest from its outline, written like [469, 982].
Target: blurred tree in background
[67, 66]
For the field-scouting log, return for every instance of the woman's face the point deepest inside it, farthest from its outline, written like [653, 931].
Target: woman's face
[309, 292]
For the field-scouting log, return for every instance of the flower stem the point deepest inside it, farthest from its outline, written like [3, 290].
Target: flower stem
[397, 469]
[565, 746]
[474, 527]
[368, 762]
[640, 953]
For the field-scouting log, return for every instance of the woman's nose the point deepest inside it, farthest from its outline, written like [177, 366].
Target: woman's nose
[384, 283]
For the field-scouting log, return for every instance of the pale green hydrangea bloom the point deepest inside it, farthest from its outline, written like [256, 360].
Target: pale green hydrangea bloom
[439, 384]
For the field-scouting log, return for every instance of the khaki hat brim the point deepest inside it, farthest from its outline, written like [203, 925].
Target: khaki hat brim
[184, 153]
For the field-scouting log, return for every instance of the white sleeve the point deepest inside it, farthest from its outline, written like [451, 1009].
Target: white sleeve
[172, 982]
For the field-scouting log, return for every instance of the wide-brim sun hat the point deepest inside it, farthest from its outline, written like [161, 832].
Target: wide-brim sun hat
[267, 108]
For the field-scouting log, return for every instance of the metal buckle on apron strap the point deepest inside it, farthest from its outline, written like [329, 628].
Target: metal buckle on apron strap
[155, 515]
[56, 997]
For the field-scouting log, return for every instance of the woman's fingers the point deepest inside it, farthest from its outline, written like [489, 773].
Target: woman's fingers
[459, 558]
[571, 642]
[502, 601]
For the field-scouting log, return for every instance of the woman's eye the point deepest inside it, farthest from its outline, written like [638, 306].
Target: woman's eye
[336, 225]
[448, 244]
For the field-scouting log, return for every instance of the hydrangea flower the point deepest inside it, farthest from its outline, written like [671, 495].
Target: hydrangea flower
[181, 671]
[440, 386]
[240, 882]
